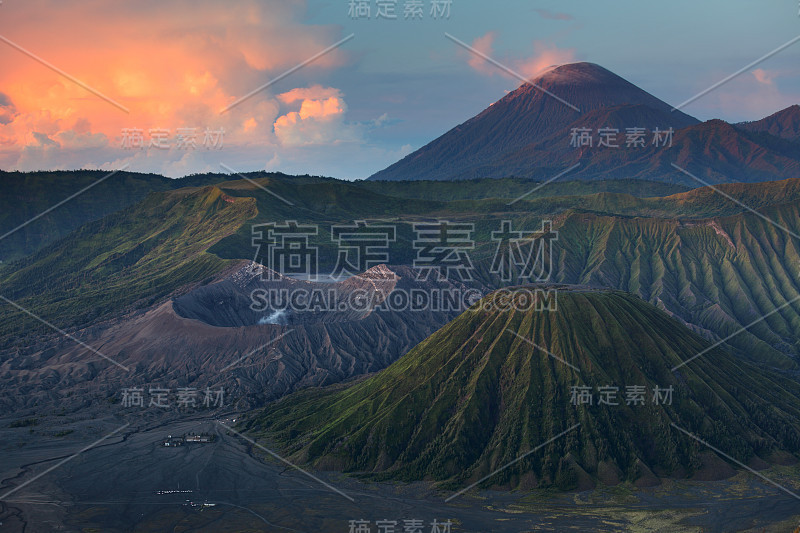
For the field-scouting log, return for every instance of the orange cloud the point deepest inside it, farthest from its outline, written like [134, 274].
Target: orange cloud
[545, 55]
[173, 64]
[320, 119]
[763, 76]
[315, 92]
[484, 45]
[321, 108]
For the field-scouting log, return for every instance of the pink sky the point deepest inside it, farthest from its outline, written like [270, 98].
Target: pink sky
[178, 63]
[173, 65]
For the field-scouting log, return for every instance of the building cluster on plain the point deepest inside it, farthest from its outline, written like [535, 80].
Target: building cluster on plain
[194, 438]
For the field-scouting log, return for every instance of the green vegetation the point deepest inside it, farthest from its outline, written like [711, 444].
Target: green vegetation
[512, 188]
[130, 259]
[717, 275]
[24, 195]
[473, 397]
[695, 254]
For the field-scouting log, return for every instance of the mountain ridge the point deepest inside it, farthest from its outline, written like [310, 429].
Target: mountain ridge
[473, 397]
[784, 124]
[529, 133]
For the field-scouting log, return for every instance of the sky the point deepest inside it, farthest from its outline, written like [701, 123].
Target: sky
[157, 85]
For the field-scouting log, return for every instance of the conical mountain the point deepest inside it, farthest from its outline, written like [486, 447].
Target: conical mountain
[493, 385]
[531, 113]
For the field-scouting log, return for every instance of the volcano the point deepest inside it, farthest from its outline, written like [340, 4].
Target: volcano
[530, 114]
[529, 133]
[495, 384]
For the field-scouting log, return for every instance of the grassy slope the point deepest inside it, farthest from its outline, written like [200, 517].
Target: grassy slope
[697, 203]
[717, 275]
[515, 187]
[132, 257]
[24, 195]
[324, 203]
[653, 247]
[473, 397]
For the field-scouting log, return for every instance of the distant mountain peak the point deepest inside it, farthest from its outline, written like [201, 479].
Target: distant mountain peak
[792, 110]
[535, 112]
[784, 124]
[575, 76]
[581, 72]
